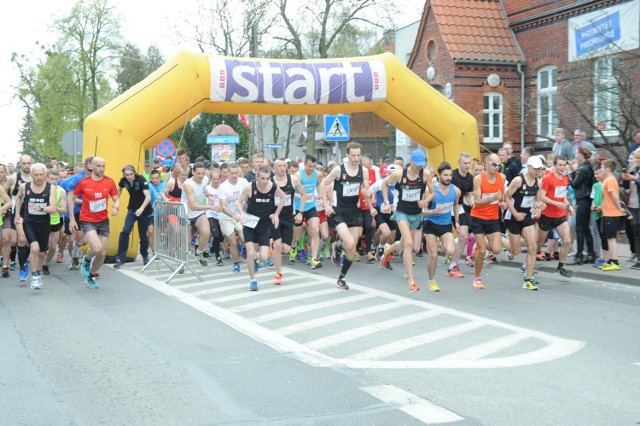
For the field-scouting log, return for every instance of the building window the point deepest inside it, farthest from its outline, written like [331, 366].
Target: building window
[606, 96]
[492, 118]
[431, 50]
[547, 101]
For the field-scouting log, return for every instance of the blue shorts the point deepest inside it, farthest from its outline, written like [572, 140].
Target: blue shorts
[414, 219]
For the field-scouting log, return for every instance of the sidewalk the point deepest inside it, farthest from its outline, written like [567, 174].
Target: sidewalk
[625, 275]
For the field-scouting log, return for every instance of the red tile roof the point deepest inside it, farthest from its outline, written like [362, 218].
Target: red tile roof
[476, 30]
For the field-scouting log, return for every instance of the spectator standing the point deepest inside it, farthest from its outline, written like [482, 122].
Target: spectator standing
[562, 145]
[581, 180]
[612, 213]
[580, 139]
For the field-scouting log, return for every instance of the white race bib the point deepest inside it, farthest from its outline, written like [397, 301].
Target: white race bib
[446, 207]
[561, 192]
[411, 194]
[485, 196]
[460, 210]
[527, 201]
[250, 221]
[34, 209]
[98, 205]
[350, 189]
[287, 202]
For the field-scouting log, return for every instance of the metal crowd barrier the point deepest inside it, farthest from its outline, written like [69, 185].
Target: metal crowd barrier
[172, 238]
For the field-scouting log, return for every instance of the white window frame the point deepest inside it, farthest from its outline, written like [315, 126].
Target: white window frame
[547, 96]
[491, 113]
[605, 94]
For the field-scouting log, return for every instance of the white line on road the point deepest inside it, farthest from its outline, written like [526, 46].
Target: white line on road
[311, 307]
[416, 407]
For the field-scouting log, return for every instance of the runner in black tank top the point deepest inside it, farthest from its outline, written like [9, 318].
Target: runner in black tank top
[22, 175]
[462, 179]
[258, 217]
[347, 180]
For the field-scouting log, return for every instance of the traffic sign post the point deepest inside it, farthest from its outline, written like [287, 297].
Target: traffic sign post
[336, 128]
[166, 148]
[71, 144]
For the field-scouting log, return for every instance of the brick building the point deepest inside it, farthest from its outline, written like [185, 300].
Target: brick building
[525, 67]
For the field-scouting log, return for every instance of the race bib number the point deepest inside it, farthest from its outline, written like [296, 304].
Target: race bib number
[351, 190]
[35, 209]
[98, 205]
[411, 194]
[460, 211]
[446, 207]
[527, 201]
[561, 192]
[485, 196]
[250, 221]
[287, 202]
[319, 205]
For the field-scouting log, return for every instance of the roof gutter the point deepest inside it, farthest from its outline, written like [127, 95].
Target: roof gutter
[483, 62]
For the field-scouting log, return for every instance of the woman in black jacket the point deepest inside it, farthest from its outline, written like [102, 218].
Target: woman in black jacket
[581, 180]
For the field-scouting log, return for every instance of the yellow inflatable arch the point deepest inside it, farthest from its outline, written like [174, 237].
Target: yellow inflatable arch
[192, 83]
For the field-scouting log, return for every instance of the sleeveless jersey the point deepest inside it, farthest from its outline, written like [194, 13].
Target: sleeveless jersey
[524, 196]
[55, 218]
[347, 189]
[199, 197]
[309, 185]
[289, 191]
[261, 204]
[409, 193]
[176, 193]
[447, 201]
[33, 203]
[488, 190]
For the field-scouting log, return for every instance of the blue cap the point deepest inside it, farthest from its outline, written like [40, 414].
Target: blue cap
[418, 158]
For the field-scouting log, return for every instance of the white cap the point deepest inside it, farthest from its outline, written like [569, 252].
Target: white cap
[535, 162]
[392, 168]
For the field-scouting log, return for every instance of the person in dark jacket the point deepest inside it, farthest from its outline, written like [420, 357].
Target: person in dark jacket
[581, 180]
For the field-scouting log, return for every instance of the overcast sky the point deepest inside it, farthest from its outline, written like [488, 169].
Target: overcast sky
[26, 21]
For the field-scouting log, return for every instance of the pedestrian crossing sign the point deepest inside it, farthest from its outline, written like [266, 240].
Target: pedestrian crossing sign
[336, 128]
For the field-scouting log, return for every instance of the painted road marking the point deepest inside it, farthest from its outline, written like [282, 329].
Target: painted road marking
[416, 407]
[303, 288]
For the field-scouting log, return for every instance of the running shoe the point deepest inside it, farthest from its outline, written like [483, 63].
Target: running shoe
[236, 268]
[206, 254]
[75, 264]
[454, 273]
[433, 286]
[219, 261]
[201, 259]
[91, 280]
[145, 260]
[119, 264]
[371, 256]
[59, 257]
[469, 261]
[563, 272]
[316, 263]
[413, 287]
[600, 263]
[634, 266]
[335, 253]
[490, 259]
[277, 280]
[301, 255]
[610, 267]
[292, 254]
[36, 284]
[86, 267]
[22, 276]
[253, 286]
[534, 280]
[342, 284]
[543, 256]
[509, 255]
[270, 262]
[5, 272]
[45, 270]
[388, 267]
[477, 283]
[327, 253]
[356, 257]
[385, 255]
[529, 285]
[256, 265]
[12, 265]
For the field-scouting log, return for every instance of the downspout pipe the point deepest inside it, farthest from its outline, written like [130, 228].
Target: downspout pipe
[522, 112]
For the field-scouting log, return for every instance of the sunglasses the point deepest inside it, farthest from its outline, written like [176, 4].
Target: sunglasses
[494, 164]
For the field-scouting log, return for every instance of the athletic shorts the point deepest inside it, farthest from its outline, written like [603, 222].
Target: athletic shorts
[37, 232]
[284, 231]
[102, 228]
[515, 227]
[7, 221]
[434, 229]
[611, 225]
[414, 220]
[351, 217]
[482, 226]
[323, 216]
[260, 234]
[463, 218]
[385, 218]
[56, 227]
[193, 220]
[228, 226]
[306, 216]
[67, 222]
[546, 223]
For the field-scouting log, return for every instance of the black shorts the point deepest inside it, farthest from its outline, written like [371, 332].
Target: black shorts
[284, 231]
[67, 220]
[56, 227]
[463, 218]
[193, 220]
[482, 226]
[306, 216]
[260, 234]
[7, 221]
[37, 232]
[546, 223]
[515, 227]
[611, 225]
[431, 228]
[351, 217]
[384, 218]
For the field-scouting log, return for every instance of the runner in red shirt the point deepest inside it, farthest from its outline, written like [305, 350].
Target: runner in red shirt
[94, 216]
[553, 192]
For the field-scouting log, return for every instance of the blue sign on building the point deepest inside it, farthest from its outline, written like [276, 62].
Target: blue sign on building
[211, 139]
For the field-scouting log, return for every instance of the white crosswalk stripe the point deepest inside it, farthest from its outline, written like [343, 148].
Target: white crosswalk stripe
[361, 328]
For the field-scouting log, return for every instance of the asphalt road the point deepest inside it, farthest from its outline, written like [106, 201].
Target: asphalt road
[140, 351]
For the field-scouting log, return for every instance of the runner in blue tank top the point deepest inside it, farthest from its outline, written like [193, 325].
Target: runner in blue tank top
[308, 177]
[437, 223]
